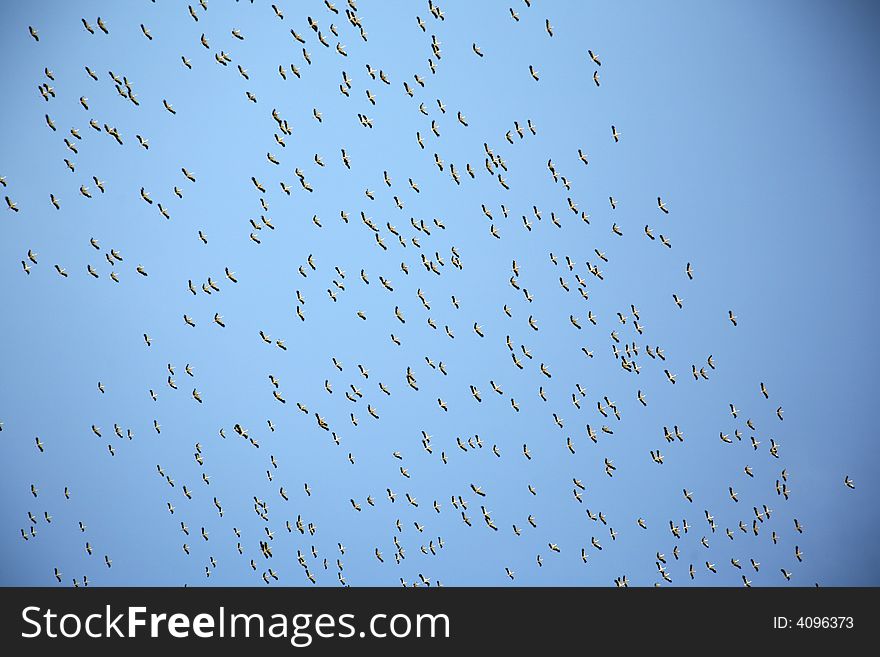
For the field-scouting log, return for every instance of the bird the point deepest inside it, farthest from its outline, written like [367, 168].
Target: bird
[461, 261]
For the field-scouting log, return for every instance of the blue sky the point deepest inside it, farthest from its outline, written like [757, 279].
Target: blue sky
[753, 121]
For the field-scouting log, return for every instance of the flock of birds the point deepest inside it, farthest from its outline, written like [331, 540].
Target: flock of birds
[408, 252]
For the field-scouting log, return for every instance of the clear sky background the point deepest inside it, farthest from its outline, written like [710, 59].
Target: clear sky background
[756, 123]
